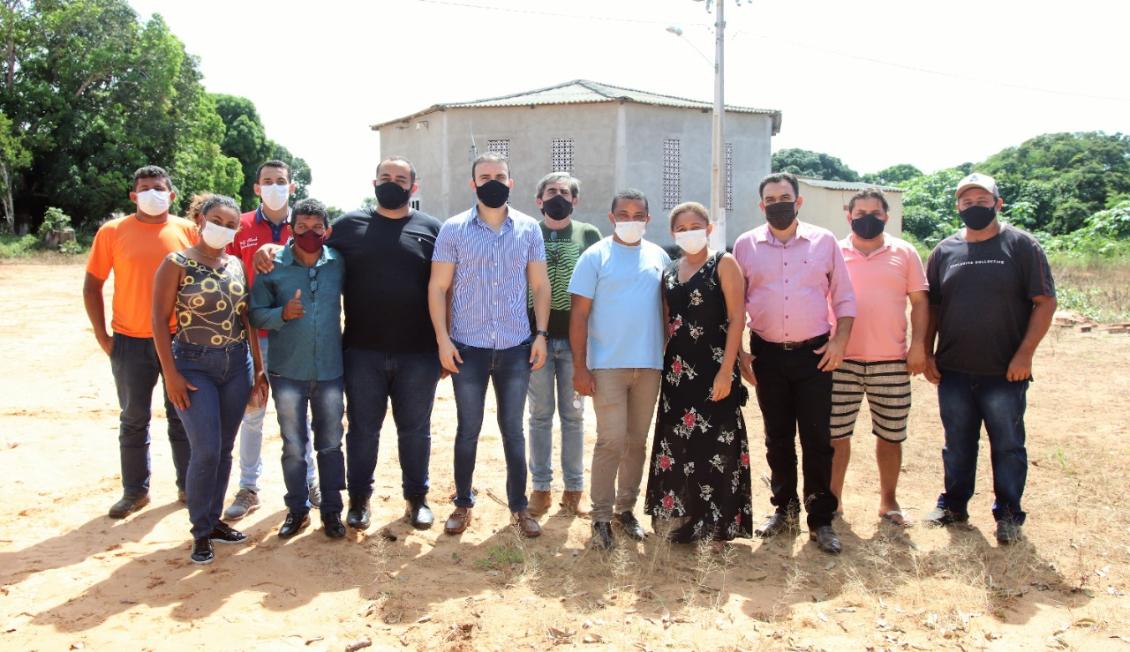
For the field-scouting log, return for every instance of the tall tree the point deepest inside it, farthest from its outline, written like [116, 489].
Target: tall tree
[246, 140]
[893, 175]
[806, 163]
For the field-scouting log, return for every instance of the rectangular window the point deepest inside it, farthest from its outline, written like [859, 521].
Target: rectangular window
[500, 146]
[671, 190]
[414, 203]
[729, 199]
[561, 155]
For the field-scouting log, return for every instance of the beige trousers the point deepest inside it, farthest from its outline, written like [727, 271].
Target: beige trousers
[624, 403]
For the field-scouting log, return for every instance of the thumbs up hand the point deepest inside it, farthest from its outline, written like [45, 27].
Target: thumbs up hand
[293, 308]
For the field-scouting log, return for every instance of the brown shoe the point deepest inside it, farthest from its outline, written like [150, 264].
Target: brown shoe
[539, 503]
[458, 521]
[527, 525]
[571, 502]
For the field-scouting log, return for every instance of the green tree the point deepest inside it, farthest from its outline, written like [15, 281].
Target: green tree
[1065, 177]
[929, 209]
[245, 139]
[805, 163]
[13, 158]
[894, 175]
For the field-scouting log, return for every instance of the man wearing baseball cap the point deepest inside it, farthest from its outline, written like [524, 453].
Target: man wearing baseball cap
[992, 299]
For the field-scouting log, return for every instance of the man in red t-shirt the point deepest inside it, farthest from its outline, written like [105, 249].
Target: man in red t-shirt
[267, 224]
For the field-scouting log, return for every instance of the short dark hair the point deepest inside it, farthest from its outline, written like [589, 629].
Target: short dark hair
[629, 193]
[778, 177]
[555, 177]
[309, 206]
[218, 201]
[398, 159]
[492, 157]
[273, 163]
[151, 172]
[868, 193]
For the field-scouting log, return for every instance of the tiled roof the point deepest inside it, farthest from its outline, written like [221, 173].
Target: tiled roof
[845, 185]
[582, 91]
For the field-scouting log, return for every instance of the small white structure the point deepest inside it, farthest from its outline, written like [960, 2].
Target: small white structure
[825, 204]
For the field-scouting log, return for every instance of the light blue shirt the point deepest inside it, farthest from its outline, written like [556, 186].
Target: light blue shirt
[488, 309]
[626, 321]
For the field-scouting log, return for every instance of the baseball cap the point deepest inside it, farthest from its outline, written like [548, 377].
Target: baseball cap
[976, 180]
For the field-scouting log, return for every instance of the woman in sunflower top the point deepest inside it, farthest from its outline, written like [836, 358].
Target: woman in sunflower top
[699, 484]
[211, 367]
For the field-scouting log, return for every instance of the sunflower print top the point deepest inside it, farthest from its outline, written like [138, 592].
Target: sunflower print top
[210, 302]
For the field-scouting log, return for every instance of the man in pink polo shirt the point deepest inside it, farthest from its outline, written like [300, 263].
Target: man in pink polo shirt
[794, 274]
[885, 271]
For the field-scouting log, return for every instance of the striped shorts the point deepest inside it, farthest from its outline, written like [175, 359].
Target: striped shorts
[887, 387]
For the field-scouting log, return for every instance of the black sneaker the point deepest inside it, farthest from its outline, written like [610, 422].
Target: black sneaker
[1008, 533]
[631, 526]
[331, 523]
[293, 524]
[202, 552]
[128, 505]
[224, 533]
[940, 517]
[602, 535]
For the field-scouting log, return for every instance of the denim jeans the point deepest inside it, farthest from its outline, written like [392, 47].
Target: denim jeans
[251, 442]
[965, 402]
[372, 378]
[222, 377]
[557, 373]
[509, 371]
[136, 369]
[326, 408]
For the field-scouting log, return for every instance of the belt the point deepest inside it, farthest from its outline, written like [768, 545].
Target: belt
[803, 344]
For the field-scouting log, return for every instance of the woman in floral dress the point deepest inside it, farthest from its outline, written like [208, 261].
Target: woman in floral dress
[699, 482]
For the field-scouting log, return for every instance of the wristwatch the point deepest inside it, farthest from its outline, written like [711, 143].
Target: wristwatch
[544, 334]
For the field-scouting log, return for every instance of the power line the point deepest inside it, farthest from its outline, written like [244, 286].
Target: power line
[554, 14]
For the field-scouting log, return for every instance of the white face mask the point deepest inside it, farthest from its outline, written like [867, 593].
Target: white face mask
[153, 202]
[691, 242]
[216, 236]
[274, 195]
[630, 232]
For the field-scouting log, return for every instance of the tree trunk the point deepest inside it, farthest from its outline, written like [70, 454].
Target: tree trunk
[9, 205]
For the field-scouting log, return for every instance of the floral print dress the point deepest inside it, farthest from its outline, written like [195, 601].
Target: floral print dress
[699, 482]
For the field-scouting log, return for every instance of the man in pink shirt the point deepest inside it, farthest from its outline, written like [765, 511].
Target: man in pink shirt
[794, 273]
[885, 271]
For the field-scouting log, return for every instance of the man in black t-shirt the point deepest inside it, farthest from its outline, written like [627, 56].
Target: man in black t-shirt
[389, 343]
[992, 299]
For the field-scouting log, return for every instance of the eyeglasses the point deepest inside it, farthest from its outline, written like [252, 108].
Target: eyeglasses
[313, 273]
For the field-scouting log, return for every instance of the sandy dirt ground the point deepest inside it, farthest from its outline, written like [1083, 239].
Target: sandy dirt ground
[71, 578]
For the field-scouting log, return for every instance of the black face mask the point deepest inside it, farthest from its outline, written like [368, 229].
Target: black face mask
[392, 196]
[557, 207]
[780, 215]
[978, 217]
[868, 226]
[493, 193]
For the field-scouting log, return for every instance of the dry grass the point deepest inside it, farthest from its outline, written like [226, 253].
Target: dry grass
[75, 578]
[1098, 288]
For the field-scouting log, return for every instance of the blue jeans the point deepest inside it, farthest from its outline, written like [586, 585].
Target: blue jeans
[557, 373]
[372, 378]
[327, 407]
[136, 368]
[251, 442]
[966, 401]
[509, 370]
[222, 377]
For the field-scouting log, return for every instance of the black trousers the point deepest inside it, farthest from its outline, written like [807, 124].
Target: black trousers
[795, 395]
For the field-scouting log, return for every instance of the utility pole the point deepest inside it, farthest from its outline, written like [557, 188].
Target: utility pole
[718, 141]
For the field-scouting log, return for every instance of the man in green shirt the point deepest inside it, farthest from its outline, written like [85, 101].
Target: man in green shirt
[557, 195]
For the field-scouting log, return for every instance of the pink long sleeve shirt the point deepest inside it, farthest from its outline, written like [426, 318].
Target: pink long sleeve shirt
[791, 286]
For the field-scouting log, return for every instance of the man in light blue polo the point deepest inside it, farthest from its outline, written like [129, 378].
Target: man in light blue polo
[616, 333]
[488, 258]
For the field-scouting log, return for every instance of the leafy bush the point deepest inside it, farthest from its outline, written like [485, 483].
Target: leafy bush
[54, 219]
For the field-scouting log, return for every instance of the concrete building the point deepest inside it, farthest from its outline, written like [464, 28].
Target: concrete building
[825, 204]
[606, 136]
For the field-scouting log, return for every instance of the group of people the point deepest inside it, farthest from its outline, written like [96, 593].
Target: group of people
[550, 313]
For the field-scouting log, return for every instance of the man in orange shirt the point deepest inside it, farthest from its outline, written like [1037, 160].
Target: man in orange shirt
[885, 273]
[132, 247]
